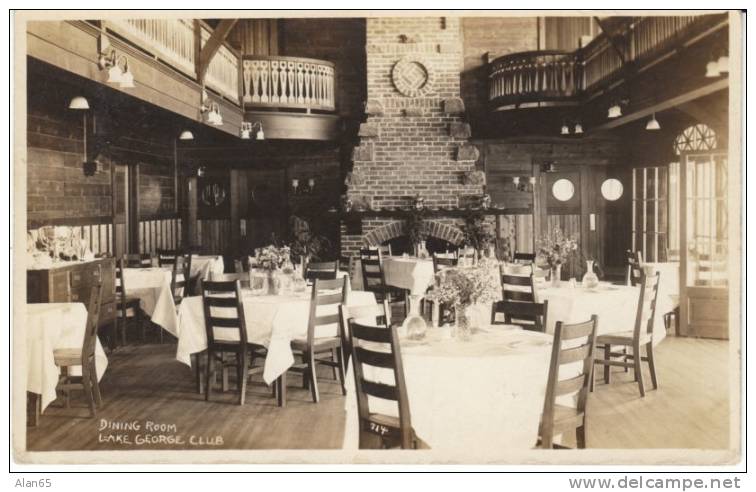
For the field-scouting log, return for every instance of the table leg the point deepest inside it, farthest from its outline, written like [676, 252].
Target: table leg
[33, 409]
[281, 390]
[197, 368]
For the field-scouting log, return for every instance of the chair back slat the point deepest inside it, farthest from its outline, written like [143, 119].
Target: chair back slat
[574, 354]
[327, 299]
[225, 322]
[325, 270]
[516, 287]
[569, 386]
[379, 390]
[441, 261]
[524, 258]
[137, 260]
[370, 333]
[528, 315]
[227, 295]
[375, 359]
[166, 257]
[576, 383]
[516, 295]
[326, 319]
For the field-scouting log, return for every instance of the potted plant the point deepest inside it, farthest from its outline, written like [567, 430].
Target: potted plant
[477, 233]
[415, 229]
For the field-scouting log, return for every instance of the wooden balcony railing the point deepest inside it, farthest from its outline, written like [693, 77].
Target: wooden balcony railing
[172, 41]
[552, 76]
[534, 76]
[288, 82]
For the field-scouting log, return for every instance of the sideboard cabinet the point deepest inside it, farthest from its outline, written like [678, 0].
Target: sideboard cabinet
[72, 282]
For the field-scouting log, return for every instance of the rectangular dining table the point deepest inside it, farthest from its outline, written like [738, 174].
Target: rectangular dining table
[51, 326]
[271, 320]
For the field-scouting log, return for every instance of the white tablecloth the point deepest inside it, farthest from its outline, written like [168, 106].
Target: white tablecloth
[470, 397]
[51, 326]
[669, 285]
[204, 265]
[413, 274]
[153, 288]
[615, 305]
[272, 321]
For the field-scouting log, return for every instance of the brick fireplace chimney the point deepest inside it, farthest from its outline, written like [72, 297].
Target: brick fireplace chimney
[414, 141]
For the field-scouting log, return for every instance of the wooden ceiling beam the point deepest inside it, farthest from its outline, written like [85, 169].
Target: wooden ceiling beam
[208, 51]
[664, 105]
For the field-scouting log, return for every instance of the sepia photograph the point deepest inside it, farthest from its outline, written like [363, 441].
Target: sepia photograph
[378, 237]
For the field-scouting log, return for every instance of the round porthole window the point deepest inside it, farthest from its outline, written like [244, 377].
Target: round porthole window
[563, 190]
[611, 189]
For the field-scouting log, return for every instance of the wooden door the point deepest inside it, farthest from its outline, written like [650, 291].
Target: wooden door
[268, 208]
[120, 210]
[560, 199]
[704, 259]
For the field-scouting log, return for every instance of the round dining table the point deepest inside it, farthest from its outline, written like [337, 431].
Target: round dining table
[467, 398]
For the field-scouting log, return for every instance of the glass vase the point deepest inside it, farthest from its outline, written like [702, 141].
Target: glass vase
[466, 320]
[274, 282]
[556, 275]
[590, 279]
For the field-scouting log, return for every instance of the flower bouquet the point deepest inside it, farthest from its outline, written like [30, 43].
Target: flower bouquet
[463, 288]
[554, 251]
[271, 260]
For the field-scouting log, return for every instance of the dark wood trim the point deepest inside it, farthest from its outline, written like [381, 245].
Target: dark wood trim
[133, 212]
[70, 221]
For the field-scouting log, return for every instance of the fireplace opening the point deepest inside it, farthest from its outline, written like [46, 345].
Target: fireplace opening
[401, 245]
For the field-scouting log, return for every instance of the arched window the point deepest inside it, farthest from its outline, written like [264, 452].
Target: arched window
[696, 137]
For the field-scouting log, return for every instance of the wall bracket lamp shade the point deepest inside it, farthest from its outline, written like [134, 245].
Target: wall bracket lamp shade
[186, 135]
[565, 130]
[78, 102]
[615, 111]
[653, 124]
[578, 128]
[247, 127]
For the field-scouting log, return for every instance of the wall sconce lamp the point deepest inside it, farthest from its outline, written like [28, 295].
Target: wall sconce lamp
[524, 183]
[80, 103]
[201, 171]
[247, 127]
[718, 66]
[186, 135]
[302, 190]
[112, 61]
[212, 109]
[566, 129]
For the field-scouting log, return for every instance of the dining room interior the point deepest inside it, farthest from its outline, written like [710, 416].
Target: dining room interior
[462, 235]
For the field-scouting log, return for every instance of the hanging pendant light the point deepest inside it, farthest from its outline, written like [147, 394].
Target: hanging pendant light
[578, 128]
[260, 134]
[723, 64]
[712, 69]
[186, 135]
[653, 124]
[78, 102]
[565, 130]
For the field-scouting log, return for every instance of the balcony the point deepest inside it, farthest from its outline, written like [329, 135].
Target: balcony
[285, 82]
[557, 78]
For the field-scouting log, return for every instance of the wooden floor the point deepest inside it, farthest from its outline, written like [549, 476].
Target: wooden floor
[145, 384]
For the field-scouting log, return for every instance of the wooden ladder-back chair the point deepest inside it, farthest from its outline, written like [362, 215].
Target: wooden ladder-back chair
[642, 337]
[527, 315]
[83, 357]
[558, 419]
[126, 306]
[374, 280]
[324, 293]
[634, 269]
[324, 270]
[379, 430]
[516, 287]
[379, 314]
[441, 261]
[182, 269]
[227, 334]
